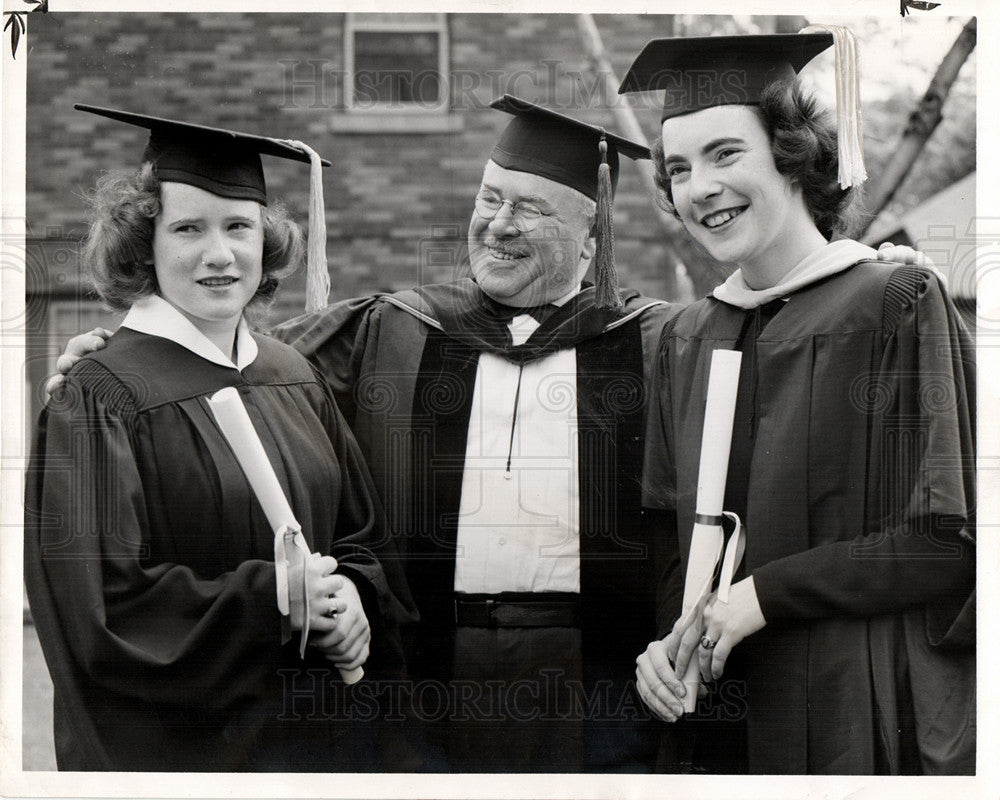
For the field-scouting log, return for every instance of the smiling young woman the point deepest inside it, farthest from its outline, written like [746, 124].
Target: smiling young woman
[786, 147]
[731, 197]
[850, 616]
[118, 252]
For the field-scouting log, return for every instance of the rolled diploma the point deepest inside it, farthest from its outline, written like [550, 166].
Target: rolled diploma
[707, 540]
[235, 424]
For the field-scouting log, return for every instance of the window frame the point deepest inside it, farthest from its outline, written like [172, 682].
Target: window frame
[397, 23]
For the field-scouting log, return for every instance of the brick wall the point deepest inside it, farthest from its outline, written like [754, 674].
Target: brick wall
[398, 203]
[387, 193]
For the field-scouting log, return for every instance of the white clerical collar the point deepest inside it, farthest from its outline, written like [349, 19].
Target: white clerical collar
[154, 315]
[822, 263]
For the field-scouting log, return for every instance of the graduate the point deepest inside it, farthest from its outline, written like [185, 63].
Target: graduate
[846, 645]
[149, 563]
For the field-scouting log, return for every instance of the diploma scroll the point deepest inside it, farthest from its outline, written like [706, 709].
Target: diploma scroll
[707, 538]
[234, 422]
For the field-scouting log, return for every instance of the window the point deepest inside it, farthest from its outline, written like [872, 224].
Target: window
[396, 63]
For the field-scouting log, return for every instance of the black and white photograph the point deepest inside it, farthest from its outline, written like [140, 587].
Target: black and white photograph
[478, 401]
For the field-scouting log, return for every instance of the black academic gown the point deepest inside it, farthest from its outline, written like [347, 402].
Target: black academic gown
[405, 366]
[854, 451]
[150, 570]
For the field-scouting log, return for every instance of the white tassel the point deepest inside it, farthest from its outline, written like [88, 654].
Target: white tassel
[850, 144]
[317, 274]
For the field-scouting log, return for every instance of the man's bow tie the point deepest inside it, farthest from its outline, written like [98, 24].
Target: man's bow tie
[540, 313]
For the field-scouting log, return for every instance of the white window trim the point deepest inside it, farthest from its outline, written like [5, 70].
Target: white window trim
[406, 24]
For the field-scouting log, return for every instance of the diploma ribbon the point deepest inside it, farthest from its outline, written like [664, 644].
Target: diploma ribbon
[732, 558]
[284, 540]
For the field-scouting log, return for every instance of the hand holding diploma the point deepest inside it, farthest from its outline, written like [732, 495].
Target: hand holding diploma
[659, 687]
[302, 578]
[728, 624]
[343, 638]
[656, 679]
[337, 622]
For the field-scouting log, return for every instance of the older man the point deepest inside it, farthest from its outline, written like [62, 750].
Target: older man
[502, 420]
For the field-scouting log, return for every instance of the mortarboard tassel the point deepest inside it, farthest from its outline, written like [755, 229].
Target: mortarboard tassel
[605, 276]
[850, 144]
[317, 274]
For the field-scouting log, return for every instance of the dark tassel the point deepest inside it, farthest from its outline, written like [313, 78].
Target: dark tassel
[605, 276]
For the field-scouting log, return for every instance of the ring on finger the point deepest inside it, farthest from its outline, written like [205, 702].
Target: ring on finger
[707, 643]
[333, 608]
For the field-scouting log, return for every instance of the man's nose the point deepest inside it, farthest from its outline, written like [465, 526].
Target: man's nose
[502, 223]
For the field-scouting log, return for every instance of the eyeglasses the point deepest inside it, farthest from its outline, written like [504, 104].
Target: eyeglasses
[525, 216]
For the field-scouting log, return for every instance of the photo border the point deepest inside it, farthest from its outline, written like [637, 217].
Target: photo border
[15, 782]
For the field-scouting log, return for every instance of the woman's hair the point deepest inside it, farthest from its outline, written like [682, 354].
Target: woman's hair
[118, 251]
[803, 140]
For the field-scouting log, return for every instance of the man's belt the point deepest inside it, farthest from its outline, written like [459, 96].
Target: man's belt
[518, 610]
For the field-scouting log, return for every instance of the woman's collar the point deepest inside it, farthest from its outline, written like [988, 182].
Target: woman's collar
[834, 257]
[155, 316]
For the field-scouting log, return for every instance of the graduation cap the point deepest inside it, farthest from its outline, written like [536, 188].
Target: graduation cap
[575, 154]
[227, 163]
[705, 71]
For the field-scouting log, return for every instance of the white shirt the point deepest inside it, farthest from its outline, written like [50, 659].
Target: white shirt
[154, 315]
[519, 528]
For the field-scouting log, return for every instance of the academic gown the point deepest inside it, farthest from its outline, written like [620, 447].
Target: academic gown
[405, 367]
[149, 565]
[853, 451]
